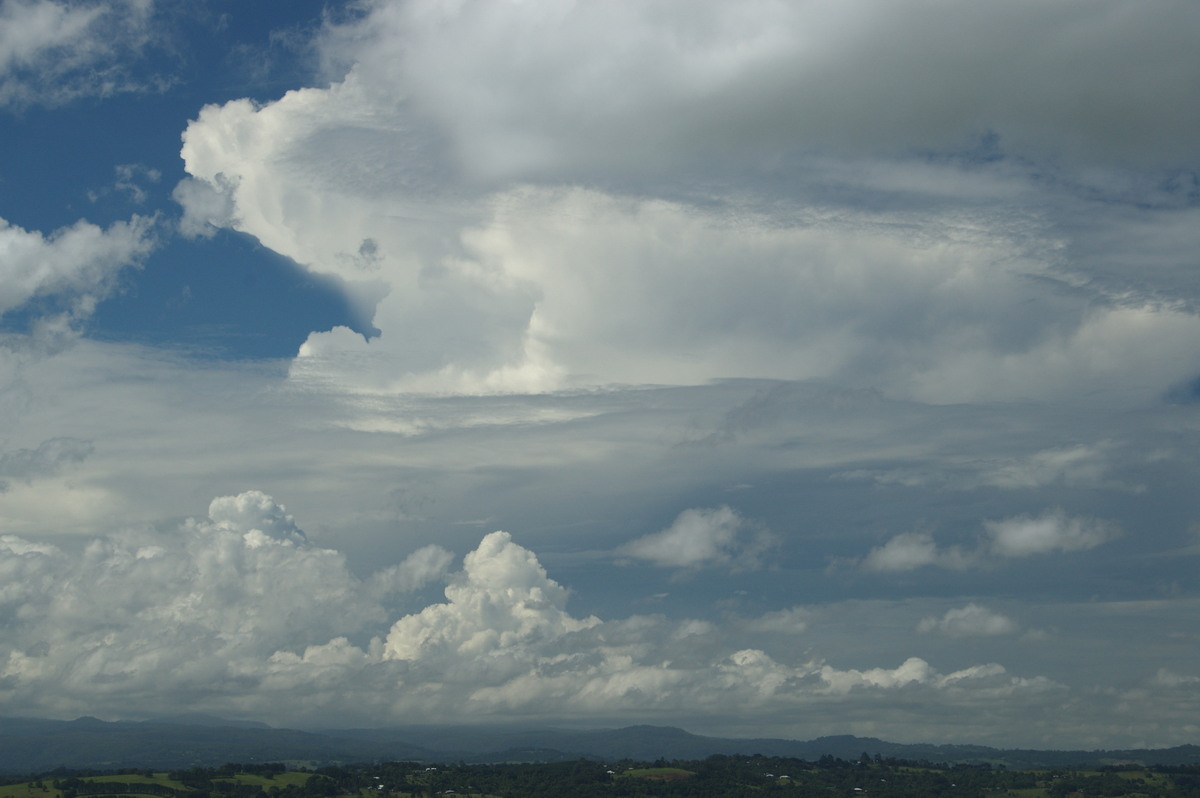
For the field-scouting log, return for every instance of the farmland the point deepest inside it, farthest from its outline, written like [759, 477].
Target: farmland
[715, 776]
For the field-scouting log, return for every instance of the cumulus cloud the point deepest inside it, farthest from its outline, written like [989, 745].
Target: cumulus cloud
[1024, 536]
[700, 538]
[52, 52]
[425, 565]
[912, 550]
[1020, 536]
[206, 207]
[969, 621]
[502, 600]
[793, 620]
[187, 613]
[238, 613]
[504, 642]
[78, 263]
[1165, 677]
[254, 512]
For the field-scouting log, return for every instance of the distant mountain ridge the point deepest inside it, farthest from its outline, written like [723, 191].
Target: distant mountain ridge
[29, 746]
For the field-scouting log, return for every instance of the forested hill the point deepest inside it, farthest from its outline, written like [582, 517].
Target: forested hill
[31, 746]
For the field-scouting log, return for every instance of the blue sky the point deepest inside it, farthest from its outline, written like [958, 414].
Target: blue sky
[766, 369]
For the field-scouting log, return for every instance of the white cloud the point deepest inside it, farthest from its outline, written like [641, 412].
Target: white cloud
[535, 226]
[1023, 536]
[653, 196]
[426, 564]
[202, 607]
[1020, 536]
[700, 538]
[254, 512]
[30, 28]
[206, 207]
[1071, 465]
[969, 621]
[77, 262]
[54, 52]
[912, 550]
[502, 601]
[239, 614]
[790, 621]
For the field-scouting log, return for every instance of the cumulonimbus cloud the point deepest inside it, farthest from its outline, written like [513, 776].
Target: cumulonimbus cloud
[536, 226]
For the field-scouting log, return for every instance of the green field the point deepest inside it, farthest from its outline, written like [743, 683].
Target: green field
[658, 773]
[715, 777]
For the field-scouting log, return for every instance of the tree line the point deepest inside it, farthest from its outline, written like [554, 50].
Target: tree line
[714, 777]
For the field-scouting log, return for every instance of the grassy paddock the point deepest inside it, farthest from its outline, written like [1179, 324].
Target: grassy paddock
[161, 779]
[659, 773]
[276, 780]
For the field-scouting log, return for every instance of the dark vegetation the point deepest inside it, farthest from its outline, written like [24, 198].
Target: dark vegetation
[716, 776]
[33, 746]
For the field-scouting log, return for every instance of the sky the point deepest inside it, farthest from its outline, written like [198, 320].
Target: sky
[762, 368]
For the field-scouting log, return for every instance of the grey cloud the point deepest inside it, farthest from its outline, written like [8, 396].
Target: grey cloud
[1019, 536]
[207, 206]
[425, 565]
[1053, 531]
[254, 511]
[494, 285]
[969, 621]
[792, 621]
[46, 460]
[912, 550]
[1066, 80]
[700, 538]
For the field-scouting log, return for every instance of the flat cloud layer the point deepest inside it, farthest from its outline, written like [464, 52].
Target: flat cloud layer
[831, 367]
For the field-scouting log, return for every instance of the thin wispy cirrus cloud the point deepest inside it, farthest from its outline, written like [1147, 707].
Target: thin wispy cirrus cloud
[400, 352]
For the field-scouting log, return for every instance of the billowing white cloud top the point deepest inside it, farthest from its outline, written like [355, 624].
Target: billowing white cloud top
[239, 610]
[657, 213]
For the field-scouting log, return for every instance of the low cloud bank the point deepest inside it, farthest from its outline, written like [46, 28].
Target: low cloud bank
[240, 613]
